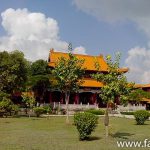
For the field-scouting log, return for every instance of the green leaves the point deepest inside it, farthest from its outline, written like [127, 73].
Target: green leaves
[141, 116]
[85, 123]
[39, 110]
[13, 71]
[138, 95]
[6, 105]
[28, 100]
[115, 82]
[67, 73]
[39, 67]
[39, 78]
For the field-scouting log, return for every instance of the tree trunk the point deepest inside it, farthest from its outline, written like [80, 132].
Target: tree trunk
[67, 94]
[106, 122]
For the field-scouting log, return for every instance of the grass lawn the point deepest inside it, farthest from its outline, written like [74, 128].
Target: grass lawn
[54, 134]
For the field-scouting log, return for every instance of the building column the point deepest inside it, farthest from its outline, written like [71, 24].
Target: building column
[76, 98]
[93, 98]
[62, 98]
[117, 100]
[50, 97]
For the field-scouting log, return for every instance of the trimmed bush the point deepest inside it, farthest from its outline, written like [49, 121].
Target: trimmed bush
[141, 116]
[48, 109]
[6, 105]
[127, 113]
[15, 109]
[96, 111]
[39, 110]
[85, 123]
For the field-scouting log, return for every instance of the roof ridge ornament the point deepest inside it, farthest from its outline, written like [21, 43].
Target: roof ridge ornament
[70, 47]
[51, 50]
[101, 55]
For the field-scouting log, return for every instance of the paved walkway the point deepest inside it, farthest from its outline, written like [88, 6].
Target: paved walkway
[111, 115]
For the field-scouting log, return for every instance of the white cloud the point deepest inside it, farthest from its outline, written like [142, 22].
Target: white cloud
[79, 50]
[32, 33]
[136, 11]
[117, 10]
[139, 64]
[114, 10]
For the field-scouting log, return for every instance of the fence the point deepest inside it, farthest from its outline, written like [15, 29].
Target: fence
[131, 107]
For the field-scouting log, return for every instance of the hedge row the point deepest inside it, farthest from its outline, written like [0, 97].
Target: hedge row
[96, 111]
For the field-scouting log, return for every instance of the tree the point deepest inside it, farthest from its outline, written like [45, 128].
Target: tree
[115, 85]
[6, 105]
[138, 94]
[29, 101]
[40, 86]
[39, 78]
[13, 71]
[13, 75]
[68, 74]
[39, 67]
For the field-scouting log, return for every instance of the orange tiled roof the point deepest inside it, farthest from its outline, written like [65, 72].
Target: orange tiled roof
[29, 93]
[89, 61]
[142, 86]
[146, 86]
[91, 83]
[138, 85]
[146, 100]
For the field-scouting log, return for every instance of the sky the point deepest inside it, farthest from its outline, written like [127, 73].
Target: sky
[93, 27]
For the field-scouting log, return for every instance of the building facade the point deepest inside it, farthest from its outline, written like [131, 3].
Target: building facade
[146, 87]
[90, 88]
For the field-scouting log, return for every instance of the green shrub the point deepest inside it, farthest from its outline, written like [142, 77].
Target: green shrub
[127, 113]
[48, 109]
[39, 110]
[15, 109]
[85, 123]
[96, 111]
[6, 105]
[141, 116]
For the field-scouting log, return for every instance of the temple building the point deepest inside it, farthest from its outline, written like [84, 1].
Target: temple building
[90, 89]
[146, 87]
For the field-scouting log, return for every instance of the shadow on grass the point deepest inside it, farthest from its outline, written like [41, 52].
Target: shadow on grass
[145, 124]
[37, 118]
[121, 135]
[93, 138]
[6, 122]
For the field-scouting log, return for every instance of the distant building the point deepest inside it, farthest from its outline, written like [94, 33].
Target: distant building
[90, 89]
[146, 87]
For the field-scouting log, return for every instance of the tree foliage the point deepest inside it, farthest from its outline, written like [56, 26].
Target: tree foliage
[39, 67]
[13, 75]
[29, 100]
[115, 82]
[13, 71]
[141, 116]
[68, 75]
[85, 123]
[138, 94]
[39, 78]
[6, 105]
